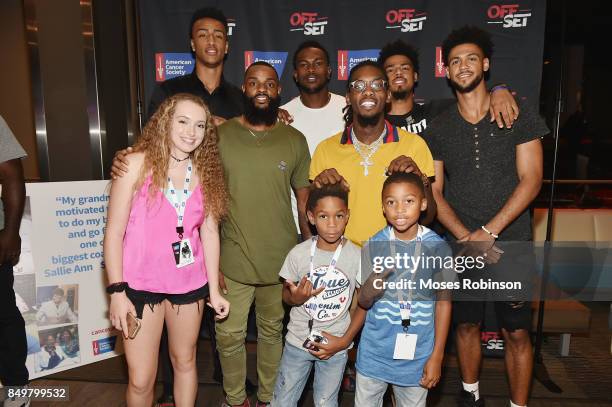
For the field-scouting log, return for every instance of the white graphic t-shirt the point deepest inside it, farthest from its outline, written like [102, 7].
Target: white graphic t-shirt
[330, 309]
[316, 125]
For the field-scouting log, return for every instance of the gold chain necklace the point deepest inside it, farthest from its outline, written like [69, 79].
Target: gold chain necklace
[258, 139]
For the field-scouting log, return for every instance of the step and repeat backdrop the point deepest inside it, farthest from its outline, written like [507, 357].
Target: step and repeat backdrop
[354, 30]
[351, 31]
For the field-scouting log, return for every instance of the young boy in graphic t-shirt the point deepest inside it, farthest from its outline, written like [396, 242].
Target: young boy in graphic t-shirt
[320, 277]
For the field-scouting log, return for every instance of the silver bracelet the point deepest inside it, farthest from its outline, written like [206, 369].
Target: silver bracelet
[489, 232]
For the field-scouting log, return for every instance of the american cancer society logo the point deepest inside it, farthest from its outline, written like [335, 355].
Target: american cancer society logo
[440, 72]
[347, 59]
[169, 65]
[104, 345]
[274, 58]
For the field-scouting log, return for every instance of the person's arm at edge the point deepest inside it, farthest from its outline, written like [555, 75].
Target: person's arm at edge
[13, 198]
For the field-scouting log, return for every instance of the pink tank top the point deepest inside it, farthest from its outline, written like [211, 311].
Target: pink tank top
[148, 259]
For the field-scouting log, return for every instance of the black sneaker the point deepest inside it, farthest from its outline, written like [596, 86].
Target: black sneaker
[467, 399]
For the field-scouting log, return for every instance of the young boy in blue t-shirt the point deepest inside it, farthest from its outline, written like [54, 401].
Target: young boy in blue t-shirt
[320, 277]
[402, 341]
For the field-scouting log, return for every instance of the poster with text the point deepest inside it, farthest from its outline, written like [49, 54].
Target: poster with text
[60, 278]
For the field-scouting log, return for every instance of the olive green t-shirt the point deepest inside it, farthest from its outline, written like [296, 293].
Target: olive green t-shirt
[260, 169]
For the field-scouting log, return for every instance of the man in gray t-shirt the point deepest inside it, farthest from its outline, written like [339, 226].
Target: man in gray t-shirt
[12, 327]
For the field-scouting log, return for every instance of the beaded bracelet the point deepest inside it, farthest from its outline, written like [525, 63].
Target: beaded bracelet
[489, 232]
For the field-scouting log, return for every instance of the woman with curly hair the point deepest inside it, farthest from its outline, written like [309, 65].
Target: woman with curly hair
[161, 246]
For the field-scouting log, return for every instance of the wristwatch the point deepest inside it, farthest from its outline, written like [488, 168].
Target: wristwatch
[116, 287]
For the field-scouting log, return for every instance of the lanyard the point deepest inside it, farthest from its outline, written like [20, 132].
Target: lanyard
[330, 268]
[405, 306]
[179, 206]
[334, 260]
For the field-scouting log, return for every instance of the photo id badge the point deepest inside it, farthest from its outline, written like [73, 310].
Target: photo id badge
[405, 345]
[183, 253]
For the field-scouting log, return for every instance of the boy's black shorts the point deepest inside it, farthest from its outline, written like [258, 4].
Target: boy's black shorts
[510, 315]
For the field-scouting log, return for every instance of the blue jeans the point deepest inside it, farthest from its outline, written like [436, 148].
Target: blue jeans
[293, 373]
[369, 392]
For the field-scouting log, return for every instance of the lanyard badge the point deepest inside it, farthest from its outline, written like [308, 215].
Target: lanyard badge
[182, 249]
[314, 336]
[405, 343]
[405, 306]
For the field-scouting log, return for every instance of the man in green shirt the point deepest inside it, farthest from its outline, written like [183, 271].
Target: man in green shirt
[262, 159]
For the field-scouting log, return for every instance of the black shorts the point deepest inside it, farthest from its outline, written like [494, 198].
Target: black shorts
[142, 298]
[510, 315]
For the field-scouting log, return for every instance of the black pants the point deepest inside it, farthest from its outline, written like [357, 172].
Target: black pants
[13, 343]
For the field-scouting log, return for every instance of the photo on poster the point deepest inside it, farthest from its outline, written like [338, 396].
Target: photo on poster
[57, 304]
[25, 296]
[59, 348]
[26, 261]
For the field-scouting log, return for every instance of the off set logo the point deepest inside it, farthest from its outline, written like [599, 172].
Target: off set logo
[508, 15]
[308, 22]
[405, 19]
